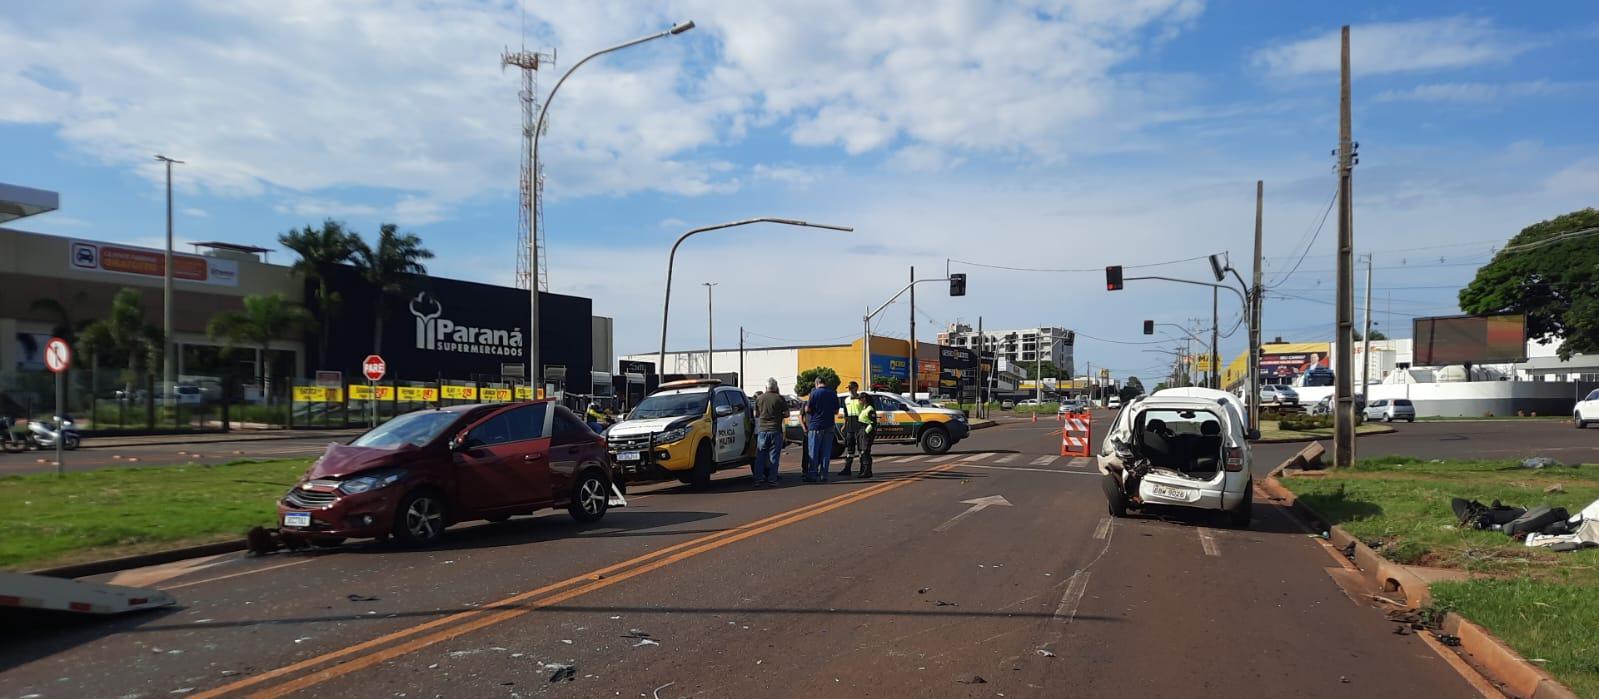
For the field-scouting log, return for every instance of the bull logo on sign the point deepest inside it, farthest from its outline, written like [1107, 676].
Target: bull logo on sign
[427, 311]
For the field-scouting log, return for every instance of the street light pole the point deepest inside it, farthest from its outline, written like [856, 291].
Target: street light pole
[168, 362]
[710, 332]
[535, 370]
[671, 260]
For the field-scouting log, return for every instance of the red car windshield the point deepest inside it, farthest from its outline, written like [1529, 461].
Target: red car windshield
[414, 429]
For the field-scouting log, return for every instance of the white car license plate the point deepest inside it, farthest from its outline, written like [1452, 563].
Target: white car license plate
[296, 519]
[627, 456]
[1170, 493]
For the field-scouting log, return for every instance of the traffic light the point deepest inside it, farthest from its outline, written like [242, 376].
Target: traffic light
[1113, 278]
[1149, 327]
[957, 284]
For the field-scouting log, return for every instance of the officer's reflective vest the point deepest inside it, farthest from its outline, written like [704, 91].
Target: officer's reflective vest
[868, 417]
[852, 407]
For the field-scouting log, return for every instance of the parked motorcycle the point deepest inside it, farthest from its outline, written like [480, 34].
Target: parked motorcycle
[12, 441]
[45, 434]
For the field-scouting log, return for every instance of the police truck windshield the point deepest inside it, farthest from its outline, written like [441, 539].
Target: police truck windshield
[671, 405]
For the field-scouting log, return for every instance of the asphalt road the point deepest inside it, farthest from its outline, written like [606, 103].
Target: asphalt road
[878, 588]
[173, 450]
[1480, 439]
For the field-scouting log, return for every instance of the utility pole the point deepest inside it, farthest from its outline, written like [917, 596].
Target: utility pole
[1215, 336]
[1365, 347]
[168, 361]
[1344, 426]
[982, 345]
[710, 335]
[913, 365]
[1255, 297]
[1038, 382]
[741, 358]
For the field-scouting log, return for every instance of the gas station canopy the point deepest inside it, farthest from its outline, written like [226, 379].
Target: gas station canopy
[20, 202]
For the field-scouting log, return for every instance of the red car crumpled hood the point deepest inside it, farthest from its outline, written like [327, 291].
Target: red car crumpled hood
[341, 460]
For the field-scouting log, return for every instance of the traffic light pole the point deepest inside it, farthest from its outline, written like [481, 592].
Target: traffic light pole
[866, 330]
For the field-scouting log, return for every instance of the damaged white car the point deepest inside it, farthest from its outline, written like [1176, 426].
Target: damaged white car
[1181, 447]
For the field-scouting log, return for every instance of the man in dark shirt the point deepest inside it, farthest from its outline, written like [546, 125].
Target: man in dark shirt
[820, 410]
[770, 412]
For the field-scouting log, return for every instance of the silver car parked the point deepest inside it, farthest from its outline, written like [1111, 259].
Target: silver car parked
[1389, 410]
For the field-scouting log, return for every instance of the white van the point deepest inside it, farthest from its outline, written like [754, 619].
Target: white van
[1181, 447]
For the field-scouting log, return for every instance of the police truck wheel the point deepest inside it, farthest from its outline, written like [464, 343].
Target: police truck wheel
[704, 466]
[935, 440]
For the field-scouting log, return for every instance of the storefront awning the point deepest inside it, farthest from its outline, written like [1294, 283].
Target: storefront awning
[19, 202]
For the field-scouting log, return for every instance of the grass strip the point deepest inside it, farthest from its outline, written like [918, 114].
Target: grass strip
[53, 520]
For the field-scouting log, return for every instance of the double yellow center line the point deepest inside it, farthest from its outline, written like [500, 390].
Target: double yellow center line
[317, 670]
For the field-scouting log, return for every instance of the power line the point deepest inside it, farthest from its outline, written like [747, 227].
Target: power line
[1076, 270]
[1312, 243]
[1550, 240]
[1118, 342]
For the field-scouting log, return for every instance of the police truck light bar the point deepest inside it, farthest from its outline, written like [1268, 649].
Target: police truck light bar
[1113, 278]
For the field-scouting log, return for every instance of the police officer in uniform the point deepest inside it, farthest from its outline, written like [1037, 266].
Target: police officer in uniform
[866, 416]
[852, 426]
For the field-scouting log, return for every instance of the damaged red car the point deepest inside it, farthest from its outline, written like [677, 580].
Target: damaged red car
[420, 472]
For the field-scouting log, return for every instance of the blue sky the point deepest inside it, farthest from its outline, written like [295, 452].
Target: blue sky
[1031, 135]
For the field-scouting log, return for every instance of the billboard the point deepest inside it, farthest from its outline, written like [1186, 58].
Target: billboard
[1288, 360]
[145, 262]
[1484, 339]
[957, 369]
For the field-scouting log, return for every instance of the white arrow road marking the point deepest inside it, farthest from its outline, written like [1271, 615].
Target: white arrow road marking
[977, 505]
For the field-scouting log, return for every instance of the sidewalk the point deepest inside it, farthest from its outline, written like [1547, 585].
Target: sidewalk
[213, 437]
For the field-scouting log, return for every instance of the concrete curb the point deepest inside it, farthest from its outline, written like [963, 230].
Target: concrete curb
[114, 565]
[1500, 663]
[1296, 440]
[1488, 655]
[101, 443]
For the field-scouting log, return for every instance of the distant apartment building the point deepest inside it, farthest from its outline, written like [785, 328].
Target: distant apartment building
[1022, 347]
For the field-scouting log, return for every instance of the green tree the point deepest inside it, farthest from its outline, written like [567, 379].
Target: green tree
[67, 325]
[386, 266]
[1133, 387]
[807, 380]
[263, 319]
[123, 336]
[896, 385]
[1375, 336]
[321, 251]
[1550, 271]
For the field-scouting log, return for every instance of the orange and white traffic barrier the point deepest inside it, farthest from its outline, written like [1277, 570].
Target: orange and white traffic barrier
[1075, 432]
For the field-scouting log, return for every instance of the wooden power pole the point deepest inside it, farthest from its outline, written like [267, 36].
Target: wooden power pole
[1344, 426]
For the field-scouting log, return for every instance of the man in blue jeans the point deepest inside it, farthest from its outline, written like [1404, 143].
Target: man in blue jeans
[770, 412]
[820, 410]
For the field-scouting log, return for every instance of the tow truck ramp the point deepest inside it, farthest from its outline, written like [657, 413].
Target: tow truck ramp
[26, 591]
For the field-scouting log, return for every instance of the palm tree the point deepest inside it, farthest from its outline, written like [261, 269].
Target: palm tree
[386, 267]
[321, 251]
[263, 319]
[66, 326]
[123, 334]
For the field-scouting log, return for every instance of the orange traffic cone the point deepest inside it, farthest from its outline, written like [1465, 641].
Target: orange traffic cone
[1035, 415]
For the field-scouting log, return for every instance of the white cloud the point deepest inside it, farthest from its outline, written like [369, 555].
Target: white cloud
[315, 208]
[1468, 92]
[921, 158]
[1397, 47]
[784, 174]
[194, 212]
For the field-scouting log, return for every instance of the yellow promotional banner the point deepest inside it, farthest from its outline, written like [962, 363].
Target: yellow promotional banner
[308, 394]
[418, 393]
[364, 392]
[458, 392]
[332, 394]
[524, 393]
[495, 394]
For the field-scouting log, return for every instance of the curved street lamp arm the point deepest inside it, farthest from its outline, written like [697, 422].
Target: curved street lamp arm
[671, 260]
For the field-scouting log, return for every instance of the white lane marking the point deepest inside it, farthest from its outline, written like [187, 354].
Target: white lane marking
[1207, 541]
[1082, 462]
[977, 505]
[1044, 460]
[1103, 530]
[948, 458]
[1006, 459]
[1067, 609]
[1062, 472]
